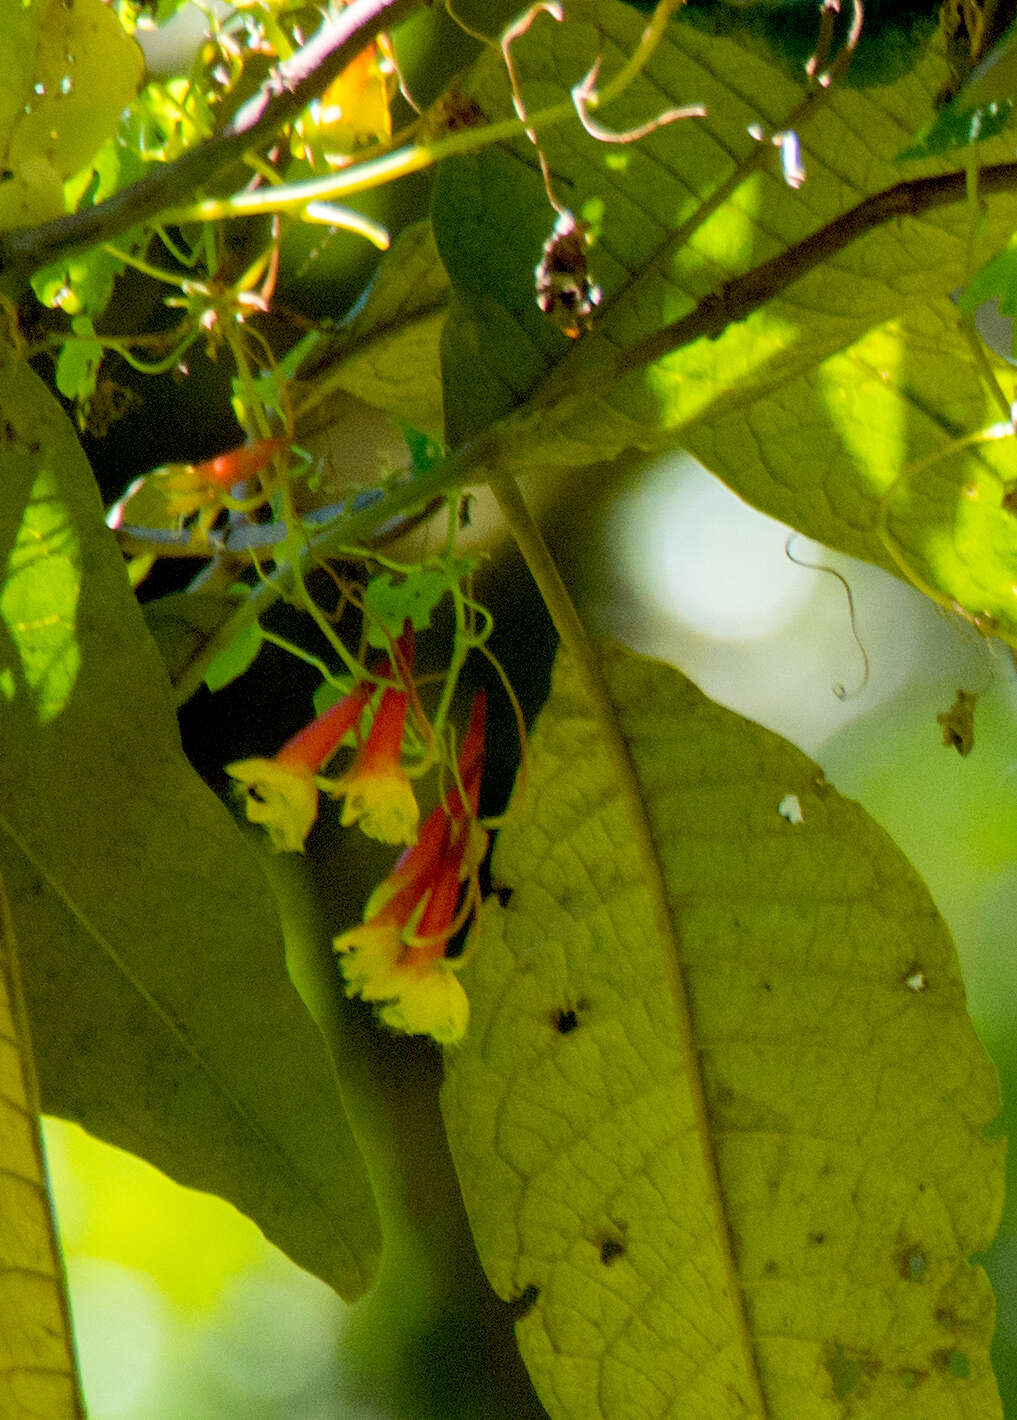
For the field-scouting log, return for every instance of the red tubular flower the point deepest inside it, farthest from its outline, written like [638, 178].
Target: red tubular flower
[281, 792]
[196, 487]
[397, 955]
[378, 793]
[238, 465]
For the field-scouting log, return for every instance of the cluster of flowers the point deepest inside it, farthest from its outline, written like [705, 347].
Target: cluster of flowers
[397, 956]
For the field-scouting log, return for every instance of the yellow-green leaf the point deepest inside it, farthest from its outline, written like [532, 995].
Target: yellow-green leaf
[778, 401]
[163, 1017]
[38, 1378]
[720, 1131]
[897, 482]
[72, 71]
[388, 354]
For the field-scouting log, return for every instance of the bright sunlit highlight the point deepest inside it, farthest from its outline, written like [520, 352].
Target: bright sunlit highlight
[119, 1324]
[697, 553]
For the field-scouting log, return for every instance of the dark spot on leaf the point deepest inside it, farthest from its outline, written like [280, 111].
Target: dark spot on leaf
[455, 111]
[565, 1021]
[817, 1238]
[955, 1363]
[610, 1250]
[613, 1244]
[770, 1268]
[84, 1039]
[845, 1373]
[958, 723]
[522, 1305]
[766, 985]
[504, 895]
[911, 1264]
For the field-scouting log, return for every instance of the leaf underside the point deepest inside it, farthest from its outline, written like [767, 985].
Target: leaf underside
[162, 1015]
[780, 405]
[810, 991]
[37, 1372]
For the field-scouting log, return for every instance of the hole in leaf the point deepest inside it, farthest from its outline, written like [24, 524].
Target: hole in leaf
[790, 809]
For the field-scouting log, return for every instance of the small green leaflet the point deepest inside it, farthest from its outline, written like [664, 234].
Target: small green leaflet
[995, 281]
[390, 603]
[959, 127]
[234, 659]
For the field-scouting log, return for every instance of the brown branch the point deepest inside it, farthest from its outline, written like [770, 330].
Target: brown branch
[742, 295]
[289, 89]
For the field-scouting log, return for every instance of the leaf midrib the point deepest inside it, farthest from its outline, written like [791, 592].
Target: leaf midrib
[169, 1020]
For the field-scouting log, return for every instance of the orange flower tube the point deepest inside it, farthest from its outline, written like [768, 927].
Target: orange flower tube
[281, 791]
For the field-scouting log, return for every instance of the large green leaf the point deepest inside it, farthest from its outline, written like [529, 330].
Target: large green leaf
[37, 1370]
[162, 1015]
[387, 354]
[779, 402]
[68, 71]
[723, 1144]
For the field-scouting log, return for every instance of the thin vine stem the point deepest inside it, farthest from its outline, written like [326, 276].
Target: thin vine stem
[576, 641]
[294, 541]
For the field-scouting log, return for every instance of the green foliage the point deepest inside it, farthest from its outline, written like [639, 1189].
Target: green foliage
[893, 34]
[739, 399]
[37, 1368]
[995, 281]
[982, 107]
[719, 1151]
[719, 1117]
[68, 71]
[78, 361]
[392, 601]
[235, 658]
[184, 624]
[957, 126]
[387, 354]
[166, 1022]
